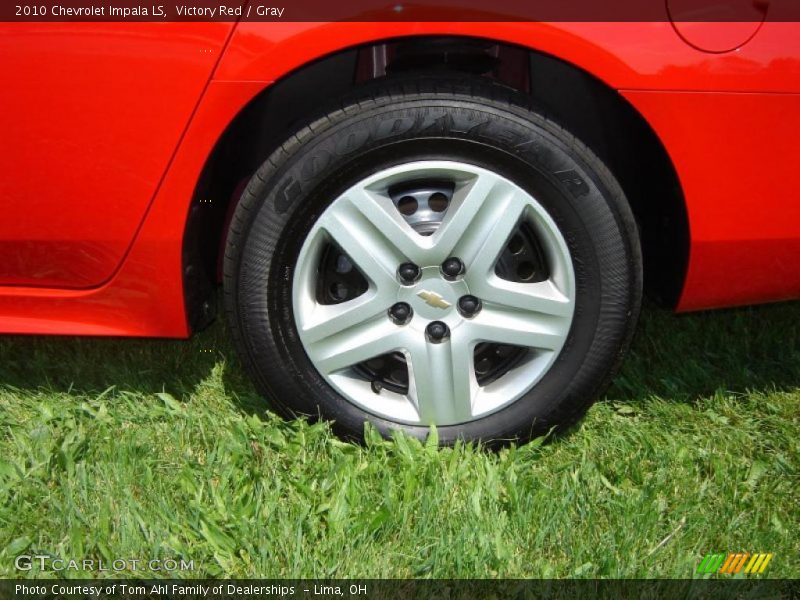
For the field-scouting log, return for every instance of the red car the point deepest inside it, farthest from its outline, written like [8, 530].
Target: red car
[415, 223]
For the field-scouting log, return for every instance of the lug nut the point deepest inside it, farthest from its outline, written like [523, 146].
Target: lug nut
[400, 313]
[437, 332]
[469, 306]
[408, 272]
[452, 267]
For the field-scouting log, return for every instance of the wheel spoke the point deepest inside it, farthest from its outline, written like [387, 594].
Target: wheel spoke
[518, 328]
[326, 320]
[384, 218]
[369, 229]
[465, 207]
[479, 223]
[356, 345]
[541, 297]
[442, 383]
[342, 335]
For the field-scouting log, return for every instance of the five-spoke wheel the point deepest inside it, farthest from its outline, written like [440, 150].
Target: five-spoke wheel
[432, 296]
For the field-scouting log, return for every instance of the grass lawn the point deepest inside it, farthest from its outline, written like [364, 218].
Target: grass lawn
[144, 449]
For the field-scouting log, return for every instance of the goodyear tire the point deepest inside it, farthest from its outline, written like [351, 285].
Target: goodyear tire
[433, 251]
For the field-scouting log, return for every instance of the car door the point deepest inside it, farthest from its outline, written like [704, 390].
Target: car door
[90, 116]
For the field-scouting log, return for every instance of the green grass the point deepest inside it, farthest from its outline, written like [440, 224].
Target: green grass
[139, 449]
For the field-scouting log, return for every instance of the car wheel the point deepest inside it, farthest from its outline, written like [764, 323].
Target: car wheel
[433, 252]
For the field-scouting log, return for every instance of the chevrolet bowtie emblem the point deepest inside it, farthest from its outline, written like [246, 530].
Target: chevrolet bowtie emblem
[434, 299]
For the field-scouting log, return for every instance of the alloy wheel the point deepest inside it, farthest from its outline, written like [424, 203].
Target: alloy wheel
[433, 292]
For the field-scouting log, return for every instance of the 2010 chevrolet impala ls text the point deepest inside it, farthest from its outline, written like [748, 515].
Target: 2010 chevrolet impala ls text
[415, 223]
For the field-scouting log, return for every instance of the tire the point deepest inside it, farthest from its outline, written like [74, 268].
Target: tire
[297, 227]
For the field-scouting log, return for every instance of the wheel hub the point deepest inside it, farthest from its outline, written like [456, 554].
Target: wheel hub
[433, 298]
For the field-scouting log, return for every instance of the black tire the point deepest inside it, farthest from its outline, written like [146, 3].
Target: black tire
[396, 120]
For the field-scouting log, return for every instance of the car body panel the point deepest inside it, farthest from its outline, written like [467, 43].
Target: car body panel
[94, 115]
[646, 56]
[717, 115]
[736, 156]
[145, 297]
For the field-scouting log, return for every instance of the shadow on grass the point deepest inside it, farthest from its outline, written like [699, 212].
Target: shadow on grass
[91, 365]
[683, 357]
[680, 357]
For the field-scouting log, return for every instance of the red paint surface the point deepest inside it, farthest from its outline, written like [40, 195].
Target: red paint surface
[736, 156]
[106, 129]
[90, 117]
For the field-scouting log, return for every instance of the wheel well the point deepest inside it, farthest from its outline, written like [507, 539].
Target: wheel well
[592, 111]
